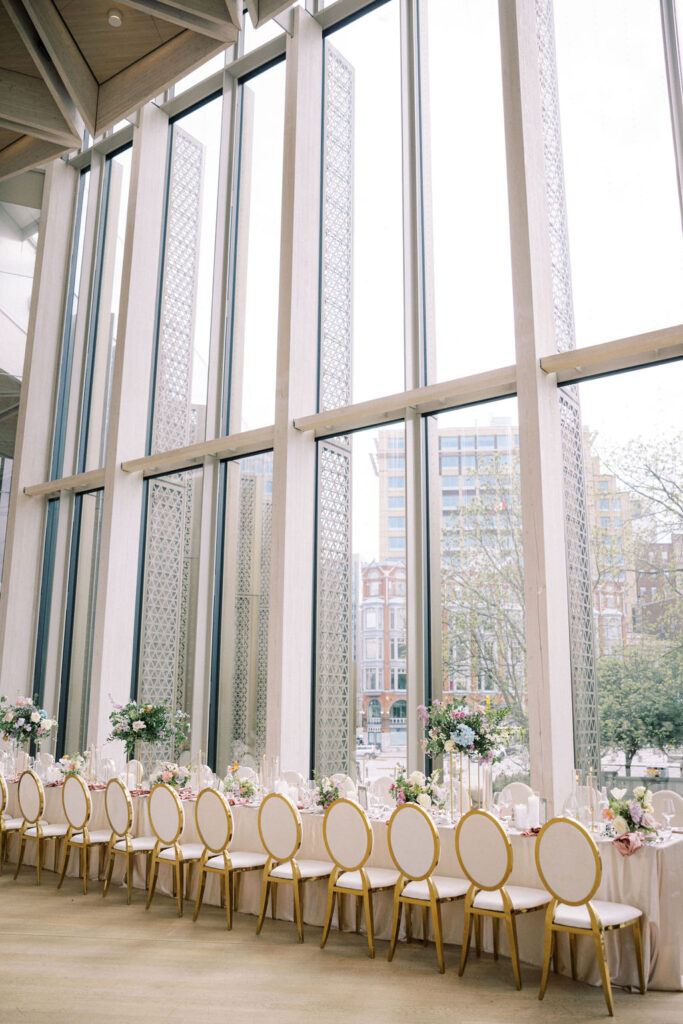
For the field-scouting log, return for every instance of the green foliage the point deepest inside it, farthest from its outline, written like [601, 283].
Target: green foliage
[148, 723]
[457, 727]
[641, 700]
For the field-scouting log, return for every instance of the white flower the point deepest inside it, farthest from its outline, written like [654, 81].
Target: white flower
[619, 825]
[137, 726]
[449, 746]
[48, 723]
[23, 702]
[424, 799]
[618, 794]
[639, 792]
[9, 716]
[648, 808]
[416, 779]
[647, 796]
[35, 717]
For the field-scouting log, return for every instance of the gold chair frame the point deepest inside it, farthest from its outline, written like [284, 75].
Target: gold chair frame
[85, 845]
[474, 915]
[4, 831]
[230, 885]
[130, 853]
[597, 929]
[269, 884]
[180, 876]
[364, 897]
[433, 903]
[39, 837]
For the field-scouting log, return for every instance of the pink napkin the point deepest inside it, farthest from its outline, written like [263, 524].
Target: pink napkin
[533, 831]
[628, 843]
[139, 792]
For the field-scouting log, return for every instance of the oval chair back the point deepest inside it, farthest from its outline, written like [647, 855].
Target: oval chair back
[31, 797]
[279, 825]
[213, 818]
[165, 814]
[3, 796]
[381, 788]
[118, 807]
[484, 850]
[568, 861]
[293, 778]
[658, 799]
[413, 842]
[344, 784]
[516, 792]
[347, 834]
[76, 802]
[245, 772]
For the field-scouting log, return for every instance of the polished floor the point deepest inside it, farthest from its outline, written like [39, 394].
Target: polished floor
[69, 958]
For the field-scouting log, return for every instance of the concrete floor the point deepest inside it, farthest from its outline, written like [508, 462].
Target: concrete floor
[69, 958]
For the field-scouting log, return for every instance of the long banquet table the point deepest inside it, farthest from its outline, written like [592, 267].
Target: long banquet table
[651, 879]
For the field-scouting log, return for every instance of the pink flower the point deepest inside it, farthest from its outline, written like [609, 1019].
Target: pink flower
[165, 776]
[40, 732]
[607, 813]
[20, 721]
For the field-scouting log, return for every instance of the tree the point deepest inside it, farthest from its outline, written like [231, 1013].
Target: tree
[641, 700]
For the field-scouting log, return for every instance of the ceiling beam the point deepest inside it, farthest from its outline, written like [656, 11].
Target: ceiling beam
[26, 153]
[611, 356]
[27, 106]
[189, 16]
[151, 75]
[24, 191]
[261, 11]
[58, 59]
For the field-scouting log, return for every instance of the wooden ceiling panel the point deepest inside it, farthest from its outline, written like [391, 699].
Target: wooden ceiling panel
[7, 137]
[109, 50]
[13, 54]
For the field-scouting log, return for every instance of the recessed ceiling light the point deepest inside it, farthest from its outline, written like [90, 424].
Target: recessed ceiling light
[114, 18]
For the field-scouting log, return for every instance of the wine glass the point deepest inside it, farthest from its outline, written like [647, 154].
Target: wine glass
[667, 811]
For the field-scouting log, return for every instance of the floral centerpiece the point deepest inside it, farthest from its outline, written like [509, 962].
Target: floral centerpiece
[71, 765]
[456, 727]
[325, 793]
[24, 721]
[416, 788]
[148, 723]
[175, 775]
[237, 787]
[630, 815]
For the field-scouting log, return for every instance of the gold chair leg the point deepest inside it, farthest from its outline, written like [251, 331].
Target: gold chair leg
[436, 922]
[229, 896]
[297, 910]
[638, 943]
[200, 892]
[3, 844]
[511, 926]
[495, 925]
[86, 867]
[477, 933]
[466, 935]
[108, 871]
[340, 911]
[179, 885]
[265, 889]
[39, 859]
[236, 890]
[130, 869]
[65, 859]
[425, 925]
[409, 922]
[331, 894]
[394, 927]
[599, 939]
[572, 954]
[359, 905]
[547, 952]
[369, 922]
[100, 866]
[152, 881]
[20, 855]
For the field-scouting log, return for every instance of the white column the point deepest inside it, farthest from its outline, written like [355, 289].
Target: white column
[545, 572]
[118, 570]
[291, 605]
[33, 446]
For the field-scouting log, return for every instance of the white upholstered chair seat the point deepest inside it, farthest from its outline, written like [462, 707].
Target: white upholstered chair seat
[446, 888]
[239, 859]
[521, 897]
[100, 835]
[138, 844]
[49, 831]
[12, 824]
[377, 877]
[307, 869]
[188, 851]
[609, 914]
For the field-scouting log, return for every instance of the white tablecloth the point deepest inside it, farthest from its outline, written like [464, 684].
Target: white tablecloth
[651, 879]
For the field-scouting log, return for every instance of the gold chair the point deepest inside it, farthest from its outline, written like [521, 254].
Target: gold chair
[167, 819]
[7, 825]
[569, 865]
[215, 827]
[415, 847]
[77, 809]
[348, 840]
[119, 808]
[279, 825]
[32, 804]
[485, 856]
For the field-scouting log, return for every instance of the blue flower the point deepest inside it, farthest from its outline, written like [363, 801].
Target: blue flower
[463, 735]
